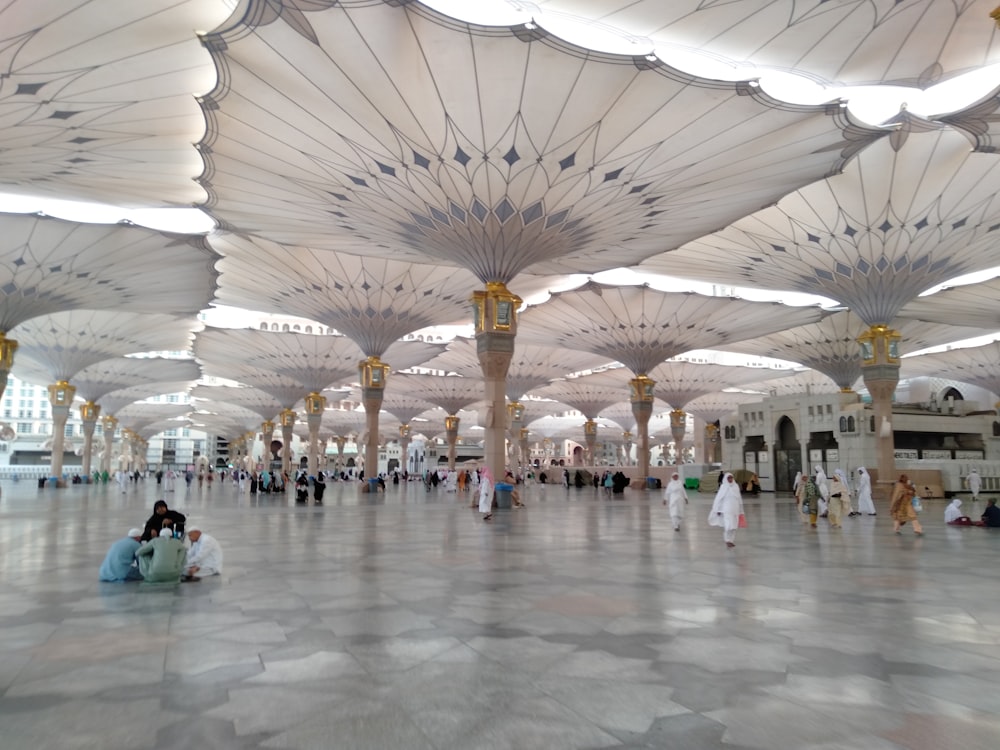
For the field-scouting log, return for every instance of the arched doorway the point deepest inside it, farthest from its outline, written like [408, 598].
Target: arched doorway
[787, 455]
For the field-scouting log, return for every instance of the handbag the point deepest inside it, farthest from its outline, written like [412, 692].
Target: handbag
[742, 522]
[917, 505]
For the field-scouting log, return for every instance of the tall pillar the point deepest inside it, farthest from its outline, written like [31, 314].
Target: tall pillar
[404, 446]
[522, 441]
[89, 414]
[451, 424]
[678, 424]
[267, 435]
[642, 410]
[315, 405]
[374, 372]
[627, 448]
[880, 370]
[7, 349]
[108, 425]
[287, 419]
[495, 318]
[515, 419]
[341, 442]
[546, 452]
[590, 440]
[711, 443]
[61, 396]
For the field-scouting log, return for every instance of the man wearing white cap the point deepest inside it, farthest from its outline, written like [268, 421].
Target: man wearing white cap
[119, 564]
[205, 556]
[162, 559]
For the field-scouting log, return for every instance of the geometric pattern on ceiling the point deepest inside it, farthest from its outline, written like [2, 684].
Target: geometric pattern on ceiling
[977, 365]
[138, 416]
[404, 406]
[589, 394]
[389, 129]
[916, 42]
[532, 366]
[96, 98]
[831, 345]
[641, 327]
[49, 265]
[64, 343]
[115, 401]
[679, 382]
[100, 379]
[373, 301]
[263, 404]
[450, 392]
[313, 361]
[906, 214]
[966, 305]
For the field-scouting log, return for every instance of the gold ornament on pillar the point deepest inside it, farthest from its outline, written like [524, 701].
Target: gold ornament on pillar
[315, 403]
[590, 428]
[678, 418]
[404, 431]
[287, 418]
[373, 373]
[494, 310]
[525, 432]
[515, 412]
[641, 389]
[61, 393]
[89, 412]
[7, 349]
[879, 346]
[995, 15]
[109, 423]
[451, 423]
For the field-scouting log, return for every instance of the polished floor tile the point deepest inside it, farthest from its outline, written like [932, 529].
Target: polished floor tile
[403, 620]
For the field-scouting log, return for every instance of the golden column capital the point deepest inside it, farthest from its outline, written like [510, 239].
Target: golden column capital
[7, 349]
[315, 403]
[590, 428]
[494, 309]
[404, 431]
[879, 345]
[678, 418]
[109, 422]
[451, 422]
[515, 411]
[287, 418]
[525, 432]
[373, 372]
[61, 393]
[641, 388]
[90, 412]
[267, 426]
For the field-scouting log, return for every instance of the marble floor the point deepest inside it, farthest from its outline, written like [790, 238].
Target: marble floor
[404, 621]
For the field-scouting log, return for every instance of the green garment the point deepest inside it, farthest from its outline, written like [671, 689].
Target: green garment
[162, 560]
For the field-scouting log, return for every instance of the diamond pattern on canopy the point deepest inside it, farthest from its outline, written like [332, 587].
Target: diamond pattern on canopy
[136, 417]
[98, 380]
[115, 401]
[314, 361]
[451, 392]
[373, 301]
[895, 223]
[532, 366]
[401, 404]
[831, 345]
[66, 342]
[396, 131]
[588, 394]
[641, 327]
[344, 422]
[916, 42]
[977, 365]
[49, 265]
[967, 305]
[260, 402]
[97, 99]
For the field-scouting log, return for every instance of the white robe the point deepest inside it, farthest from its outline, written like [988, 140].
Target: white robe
[953, 511]
[865, 504]
[206, 553]
[975, 483]
[485, 495]
[727, 508]
[676, 498]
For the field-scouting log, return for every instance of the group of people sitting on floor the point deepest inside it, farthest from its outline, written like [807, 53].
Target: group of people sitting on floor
[157, 553]
[953, 515]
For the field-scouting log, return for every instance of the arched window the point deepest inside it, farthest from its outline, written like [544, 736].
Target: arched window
[871, 423]
[309, 329]
[274, 326]
[263, 326]
[296, 327]
[851, 425]
[843, 424]
[284, 328]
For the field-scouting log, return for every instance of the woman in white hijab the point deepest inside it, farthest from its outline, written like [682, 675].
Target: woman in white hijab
[953, 512]
[676, 497]
[486, 492]
[823, 485]
[865, 504]
[726, 509]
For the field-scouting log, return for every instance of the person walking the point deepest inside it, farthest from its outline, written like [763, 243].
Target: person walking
[486, 493]
[865, 503]
[840, 499]
[676, 497]
[727, 509]
[975, 483]
[901, 506]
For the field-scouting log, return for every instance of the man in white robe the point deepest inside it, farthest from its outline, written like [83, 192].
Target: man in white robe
[205, 556]
[676, 497]
[727, 509]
